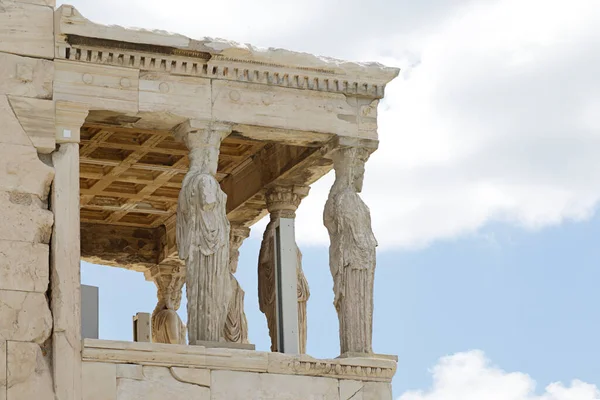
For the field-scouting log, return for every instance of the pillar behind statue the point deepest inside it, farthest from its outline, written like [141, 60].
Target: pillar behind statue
[282, 201]
[203, 233]
[236, 325]
[352, 251]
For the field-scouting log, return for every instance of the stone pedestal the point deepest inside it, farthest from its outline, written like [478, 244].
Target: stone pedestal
[122, 371]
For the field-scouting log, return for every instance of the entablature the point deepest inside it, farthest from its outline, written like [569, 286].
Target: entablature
[78, 39]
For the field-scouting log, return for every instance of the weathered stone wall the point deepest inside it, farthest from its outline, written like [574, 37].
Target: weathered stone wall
[151, 371]
[105, 381]
[26, 128]
[110, 381]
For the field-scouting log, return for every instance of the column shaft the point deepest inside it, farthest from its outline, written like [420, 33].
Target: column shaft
[282, 201]
[203, 234]
[236, 324]
[65, 274]
[352, 251]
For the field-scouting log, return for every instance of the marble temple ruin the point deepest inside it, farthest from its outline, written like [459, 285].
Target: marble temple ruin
[157, 153]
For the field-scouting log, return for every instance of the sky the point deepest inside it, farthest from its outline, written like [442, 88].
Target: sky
[487, 265]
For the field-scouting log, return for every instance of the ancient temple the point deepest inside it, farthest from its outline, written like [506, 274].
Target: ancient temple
[158, 153]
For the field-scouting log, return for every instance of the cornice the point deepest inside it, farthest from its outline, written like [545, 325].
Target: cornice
[78, 39]
[375, 369]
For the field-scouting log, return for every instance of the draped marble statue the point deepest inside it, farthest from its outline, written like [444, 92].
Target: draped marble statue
[352, 251]
[236, 325]
[167, 326]
[203, 236]
[282, 201]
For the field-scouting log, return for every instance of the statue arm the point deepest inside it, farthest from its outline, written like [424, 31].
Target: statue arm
[266, 284]
[184, 224]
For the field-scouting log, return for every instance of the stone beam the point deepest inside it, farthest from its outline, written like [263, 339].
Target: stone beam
[137, 248]
[120, 246]
[264, 168]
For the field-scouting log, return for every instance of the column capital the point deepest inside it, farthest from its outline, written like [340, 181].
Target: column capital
[285, 198]
[69, 118]
[344, 153]
[239, 231]
[349, 165]
[174, 267]
[191, 126]
[169, 278]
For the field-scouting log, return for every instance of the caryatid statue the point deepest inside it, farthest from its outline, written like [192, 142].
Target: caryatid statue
[203, 234]
[167, 326]
[282, 201]
[236, 325]
[352, 251]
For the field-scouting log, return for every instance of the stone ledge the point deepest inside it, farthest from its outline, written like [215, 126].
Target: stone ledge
[226, 345]
[82, 40]
[154, 354]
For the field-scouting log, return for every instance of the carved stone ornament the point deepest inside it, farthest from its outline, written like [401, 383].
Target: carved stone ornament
[236, 324]
[203, 235]
[167, 326]
[282, 201]
[352, 251]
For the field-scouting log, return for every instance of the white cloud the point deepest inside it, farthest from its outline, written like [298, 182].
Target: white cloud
[470, 376]
[498, 121]
[494, 118]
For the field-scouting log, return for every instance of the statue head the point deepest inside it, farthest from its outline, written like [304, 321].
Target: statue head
[349, 163]
[237, 234]
[204, 159]
[201, 189]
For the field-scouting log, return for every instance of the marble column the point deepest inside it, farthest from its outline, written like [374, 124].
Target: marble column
[282, 202]
[203, 233]
[236, 324]
[352, 251]
[65, 253]
[167, 326]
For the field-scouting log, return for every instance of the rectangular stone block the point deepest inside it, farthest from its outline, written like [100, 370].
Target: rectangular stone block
[184, 96]
[351, 390]
[237, 359]
[36, 117]
[50, 3]
[22, 171]
[99, 381]
[23, 217]
[102, 87]
[197, 376]
[249, 385]
[11, 131]
[255, 104]
[2, 370]
[66, 364]
[29, 376]
[26, 29]
[24, 76]
[357, 390]
[24, 266]
[159, 384]
[24, 316]
[130, 371]
[377, 391]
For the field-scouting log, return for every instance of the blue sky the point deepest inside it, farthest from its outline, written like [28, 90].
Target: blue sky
[529, 300]
[483, 192]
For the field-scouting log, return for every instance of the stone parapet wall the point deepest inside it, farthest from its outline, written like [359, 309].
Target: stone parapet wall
[125, 370]
[26, 129]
